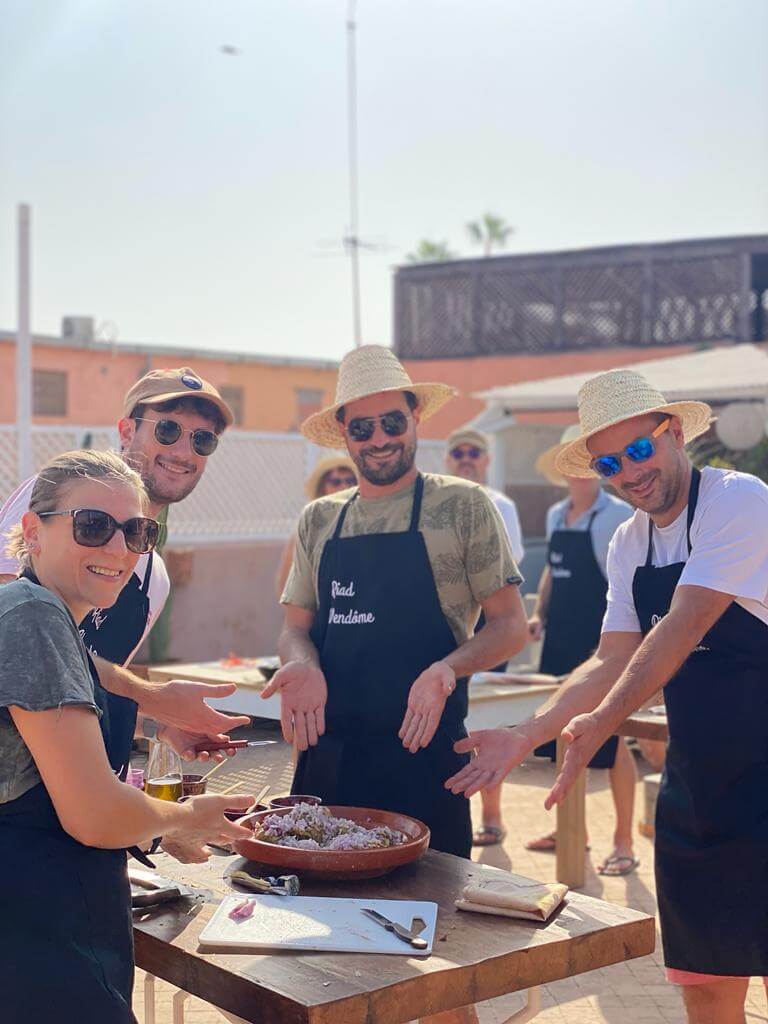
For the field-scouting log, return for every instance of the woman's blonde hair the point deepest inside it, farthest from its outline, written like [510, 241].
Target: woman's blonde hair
[55, 479]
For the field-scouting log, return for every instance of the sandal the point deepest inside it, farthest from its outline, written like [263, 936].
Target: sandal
[488, 835]
[615, 866]
[546, 844]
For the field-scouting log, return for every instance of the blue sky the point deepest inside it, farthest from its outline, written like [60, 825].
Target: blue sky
[184, 194]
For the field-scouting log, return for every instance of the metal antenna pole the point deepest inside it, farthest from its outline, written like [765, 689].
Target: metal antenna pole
[353, 239]
[23, 348]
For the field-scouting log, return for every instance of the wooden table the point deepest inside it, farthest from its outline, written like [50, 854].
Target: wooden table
[476, 957]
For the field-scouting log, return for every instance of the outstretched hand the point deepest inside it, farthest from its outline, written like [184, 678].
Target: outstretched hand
[584, 735]
[497, 752]
[303, 693]
[182, 704]
[426, 701]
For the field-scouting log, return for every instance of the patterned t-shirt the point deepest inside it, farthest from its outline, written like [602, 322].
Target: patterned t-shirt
[466, 542]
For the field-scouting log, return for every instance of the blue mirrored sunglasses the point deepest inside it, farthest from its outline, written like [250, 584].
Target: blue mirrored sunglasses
[639, 450]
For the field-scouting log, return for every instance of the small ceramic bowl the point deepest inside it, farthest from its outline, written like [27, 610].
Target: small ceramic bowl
[233, 815]
[194, 785]
[291, 801]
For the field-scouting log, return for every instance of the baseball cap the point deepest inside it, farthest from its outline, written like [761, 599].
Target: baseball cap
[163, 385]
[467, 435]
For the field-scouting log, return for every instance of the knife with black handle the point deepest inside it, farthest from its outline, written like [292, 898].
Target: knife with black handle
[397, 929]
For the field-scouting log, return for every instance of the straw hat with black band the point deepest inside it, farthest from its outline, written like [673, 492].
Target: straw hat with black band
[370, 370]
[160, 386]
[545, 464]
[614, 397]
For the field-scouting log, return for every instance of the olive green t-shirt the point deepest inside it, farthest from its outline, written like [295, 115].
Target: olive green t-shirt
[466, 542]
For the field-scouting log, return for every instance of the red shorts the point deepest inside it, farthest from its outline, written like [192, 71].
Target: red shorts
[692, 978]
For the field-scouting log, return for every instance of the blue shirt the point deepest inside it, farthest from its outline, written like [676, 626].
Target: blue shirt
[611, 513]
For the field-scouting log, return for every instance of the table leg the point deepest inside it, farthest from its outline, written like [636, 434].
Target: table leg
[530, 1010]
[571, 829]
[179, 999]
[149, 998]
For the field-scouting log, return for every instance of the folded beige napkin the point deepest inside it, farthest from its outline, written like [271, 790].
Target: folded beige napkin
[532, 901]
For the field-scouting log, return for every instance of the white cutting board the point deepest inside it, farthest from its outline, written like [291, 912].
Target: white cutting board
[318, 923]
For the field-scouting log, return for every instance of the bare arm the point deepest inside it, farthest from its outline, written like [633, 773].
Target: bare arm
[538, 619]
[92, 805]
[694, 610]
[503, 635]
[177, 703]
[498, 751]
[286, 560]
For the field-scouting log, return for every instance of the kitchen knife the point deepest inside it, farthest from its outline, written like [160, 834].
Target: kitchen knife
[399, 930]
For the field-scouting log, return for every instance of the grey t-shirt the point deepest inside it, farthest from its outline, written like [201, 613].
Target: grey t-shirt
[43, 665]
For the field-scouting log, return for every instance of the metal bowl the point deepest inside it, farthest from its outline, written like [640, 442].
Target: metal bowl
[340, 864]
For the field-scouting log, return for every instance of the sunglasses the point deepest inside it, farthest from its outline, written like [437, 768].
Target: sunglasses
[341, 481]
[466, 453]
[640, 450]
[93, 528]
[204, 442]
[394, 424]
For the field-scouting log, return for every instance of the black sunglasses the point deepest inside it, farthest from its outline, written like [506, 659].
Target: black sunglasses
[466, 453]
[93, 528]
[204, 442]
[341, 481]
[394, 424]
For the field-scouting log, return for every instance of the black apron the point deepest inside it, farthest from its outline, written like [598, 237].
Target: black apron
[114, 634]
[577, 604]
[712, 809]
[378, 626]
[66, 938]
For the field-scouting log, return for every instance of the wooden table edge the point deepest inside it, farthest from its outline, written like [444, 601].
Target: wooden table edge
[402, 1001]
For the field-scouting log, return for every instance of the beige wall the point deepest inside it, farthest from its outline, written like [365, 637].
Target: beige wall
[227, 605]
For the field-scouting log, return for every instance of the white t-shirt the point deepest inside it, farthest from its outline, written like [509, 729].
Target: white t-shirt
[729, 548]
[508, 511]
[159, 585]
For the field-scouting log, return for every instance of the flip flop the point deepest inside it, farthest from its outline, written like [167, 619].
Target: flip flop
[496, 835]
[612, 868]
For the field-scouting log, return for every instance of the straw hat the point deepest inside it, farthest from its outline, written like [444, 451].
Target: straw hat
[467, 435]
[545, 464]
[325, 466]
[619, 395]
[370, 370]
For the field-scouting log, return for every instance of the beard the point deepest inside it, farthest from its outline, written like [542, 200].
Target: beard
[162, 488]
[664, 495]
[403, 456]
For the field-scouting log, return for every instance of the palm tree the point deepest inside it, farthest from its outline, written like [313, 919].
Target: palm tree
[490, 231]
[427, 251]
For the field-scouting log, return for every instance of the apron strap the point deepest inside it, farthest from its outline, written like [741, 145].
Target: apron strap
[343, 516]
[147, 576]
[418, 492]
[693, 497]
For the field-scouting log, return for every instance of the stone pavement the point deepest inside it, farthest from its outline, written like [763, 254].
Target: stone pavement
[627, 993]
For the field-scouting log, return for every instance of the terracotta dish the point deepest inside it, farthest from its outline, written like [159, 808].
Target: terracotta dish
[340, 864]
